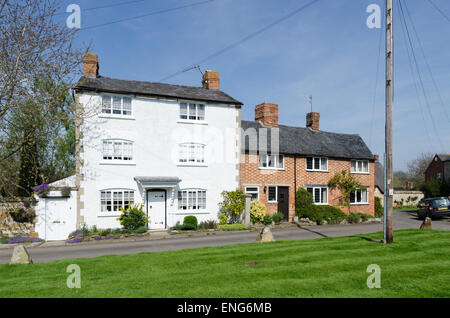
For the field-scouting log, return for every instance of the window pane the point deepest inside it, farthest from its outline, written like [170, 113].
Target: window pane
[365, 166]
[272, 193]
[127, 106]
[118, 150]
[316, 163]
[201, 112]
[183, 111]
[201, 153]
[364, 196]
[309, 163]
[271, 163]
[358, 196]
[117, 105]
[183, 153]
[192, 111]
[127, 151]
[280, 161]
[324, 195]
[191, 153]
[317, 195]
[117, 200]
[107, 150]
[106, 104]
[352, 197]
[263, 161]
[323, 163]
[310, 190]
[353, 166]
[359, 166]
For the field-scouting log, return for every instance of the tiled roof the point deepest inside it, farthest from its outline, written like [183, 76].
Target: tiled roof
[120, 86]
[305, 141]
[444, 156]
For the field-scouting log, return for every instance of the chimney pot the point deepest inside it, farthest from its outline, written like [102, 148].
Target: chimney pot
[90, 65]
[267, 114]
[312, 120]
[211, 80]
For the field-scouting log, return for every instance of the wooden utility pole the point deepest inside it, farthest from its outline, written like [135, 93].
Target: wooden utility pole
[389, 186]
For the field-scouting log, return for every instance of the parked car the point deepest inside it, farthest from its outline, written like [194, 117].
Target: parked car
[433, 208]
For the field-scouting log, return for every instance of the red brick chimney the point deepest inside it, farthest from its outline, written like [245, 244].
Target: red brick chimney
[90, 65]
[377, 157]
[211, 80]
[267, 114]
[312, 120]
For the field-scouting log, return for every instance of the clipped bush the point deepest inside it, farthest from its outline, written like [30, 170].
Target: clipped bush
[257, 211]
[133, 217]
[267, 220]
[278, 217]
[141, 229]
[304, 204]
[232, 227]
[378, 208]
[4, 240]
[184, 227]
[190, 219]
[207, 225]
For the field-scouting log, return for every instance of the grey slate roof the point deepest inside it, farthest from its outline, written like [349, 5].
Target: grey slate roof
[379, 176]
[304, 141]
[444, 156]
[120, 86]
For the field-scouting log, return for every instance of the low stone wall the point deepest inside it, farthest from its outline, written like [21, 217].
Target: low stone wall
[9, 227]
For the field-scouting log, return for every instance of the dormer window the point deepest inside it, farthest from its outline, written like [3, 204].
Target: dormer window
[191, 111]
[116, 105]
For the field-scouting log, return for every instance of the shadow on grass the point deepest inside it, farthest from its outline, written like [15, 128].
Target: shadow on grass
[368, 239]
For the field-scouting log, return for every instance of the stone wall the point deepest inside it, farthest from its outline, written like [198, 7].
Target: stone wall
[9, 227]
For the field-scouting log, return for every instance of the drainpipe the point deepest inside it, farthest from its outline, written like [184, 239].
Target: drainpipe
[295, 183]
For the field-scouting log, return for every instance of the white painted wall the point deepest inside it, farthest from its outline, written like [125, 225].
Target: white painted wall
[156, 130]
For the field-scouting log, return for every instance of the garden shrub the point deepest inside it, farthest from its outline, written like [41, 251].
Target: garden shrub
[190, 219]
[184, 227]
[206, 225]
[278, 217]
[357, 217]
[231, 207]
[257, 211]
[133, 217]
[378, 208]
[232, 227]
[21, 215]
[267, 220]
[304, 203]
[4, 240]
[141, 229]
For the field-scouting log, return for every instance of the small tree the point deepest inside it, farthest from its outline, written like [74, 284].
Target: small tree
[432, 188]
[304, 203]
[257, 211]
[133, 217]
[230, 209]
[346, 184]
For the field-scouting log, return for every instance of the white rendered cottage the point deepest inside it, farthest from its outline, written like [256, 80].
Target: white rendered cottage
[172, 148]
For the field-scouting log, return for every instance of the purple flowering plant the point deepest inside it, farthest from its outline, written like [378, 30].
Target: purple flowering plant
[75, 240]
[41, 190]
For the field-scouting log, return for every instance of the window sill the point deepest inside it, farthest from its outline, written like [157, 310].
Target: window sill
[364, 203]
[116, 117]
[276, 169]
[117, 163]
[195, 122]
[109, 215]
[312, 170]
[272, 202]
[321, 203]
[190, 212]
[359, 172]
[191, 165]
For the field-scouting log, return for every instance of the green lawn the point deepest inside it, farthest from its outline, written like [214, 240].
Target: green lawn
[416, 265]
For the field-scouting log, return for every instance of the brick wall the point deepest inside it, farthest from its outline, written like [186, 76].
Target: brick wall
[251, 175]
[8, 227]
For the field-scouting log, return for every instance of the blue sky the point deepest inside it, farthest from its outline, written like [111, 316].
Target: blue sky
[326, 51]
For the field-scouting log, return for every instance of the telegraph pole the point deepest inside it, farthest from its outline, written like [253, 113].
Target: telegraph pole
[389, 183]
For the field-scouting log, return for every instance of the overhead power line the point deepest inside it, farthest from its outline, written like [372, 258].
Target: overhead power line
[427, 103]
[148, 14]
[244, 39]
[439, 10]
[106, 6]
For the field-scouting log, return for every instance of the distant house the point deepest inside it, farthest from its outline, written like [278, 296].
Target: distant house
[306, 158]
[439, 168]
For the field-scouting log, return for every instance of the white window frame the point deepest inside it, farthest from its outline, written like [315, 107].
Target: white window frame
[191, 204]
[314, 188]
[110, 157]
[276, 194]
[105, 198]
[111, 106]
[314, 159]
[361, 202]
[189, 105]
[275, 162]
[199, 154]
[358, 171]
[252, 191]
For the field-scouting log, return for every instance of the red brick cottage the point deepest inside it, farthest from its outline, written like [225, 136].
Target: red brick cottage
[306, 158]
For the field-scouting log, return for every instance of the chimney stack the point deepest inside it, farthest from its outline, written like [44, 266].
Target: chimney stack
[312, 120]
[90, 65]
[377, 157]
[211, 80]
[267, 114]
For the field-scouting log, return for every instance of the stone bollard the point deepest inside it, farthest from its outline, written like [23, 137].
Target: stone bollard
[248, 201]
[426, 225]
[20, 256]
[265, 235]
